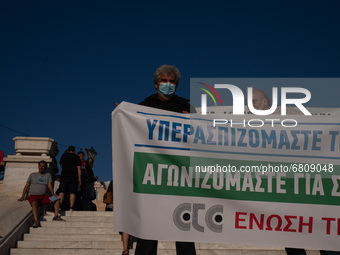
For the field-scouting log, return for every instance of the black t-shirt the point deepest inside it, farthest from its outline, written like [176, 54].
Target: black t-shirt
[70, 162]
[174, 104]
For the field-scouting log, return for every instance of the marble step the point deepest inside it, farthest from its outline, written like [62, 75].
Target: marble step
[66, 251]
[84, 213]
[162, 245]
[28, 251]
[75, 230]
[72, 237]
[37, 244]
[69, 218]
[116, 242]
[119, 251]
[69, 245]
[76, 224]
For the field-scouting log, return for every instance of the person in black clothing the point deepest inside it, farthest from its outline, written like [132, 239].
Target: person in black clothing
[87, 181]
[166, 79]
[70, 175]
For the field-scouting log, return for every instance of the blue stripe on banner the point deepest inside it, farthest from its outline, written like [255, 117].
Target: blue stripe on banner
[232, 152]
[187, 118]
[162, 147]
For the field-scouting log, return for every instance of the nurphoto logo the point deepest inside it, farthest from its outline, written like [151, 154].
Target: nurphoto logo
[239, 99]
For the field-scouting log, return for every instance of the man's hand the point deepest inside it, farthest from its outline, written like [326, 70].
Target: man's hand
[24, 192]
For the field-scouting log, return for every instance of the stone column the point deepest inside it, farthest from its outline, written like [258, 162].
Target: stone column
[29, 151]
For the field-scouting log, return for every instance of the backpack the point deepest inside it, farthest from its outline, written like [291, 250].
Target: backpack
[108, 197]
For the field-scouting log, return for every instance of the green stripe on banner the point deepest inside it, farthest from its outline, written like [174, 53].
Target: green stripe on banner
[178, 175]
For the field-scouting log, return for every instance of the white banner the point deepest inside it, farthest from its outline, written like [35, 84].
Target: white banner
[268, 182]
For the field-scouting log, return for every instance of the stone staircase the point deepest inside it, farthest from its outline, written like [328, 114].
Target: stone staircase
[91, 233]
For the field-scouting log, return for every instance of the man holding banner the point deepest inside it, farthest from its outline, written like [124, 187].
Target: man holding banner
[166, 80]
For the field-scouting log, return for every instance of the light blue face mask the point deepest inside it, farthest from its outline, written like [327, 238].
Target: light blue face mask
[167, 89]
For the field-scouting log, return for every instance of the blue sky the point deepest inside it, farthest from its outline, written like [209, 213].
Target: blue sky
[63, 64]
